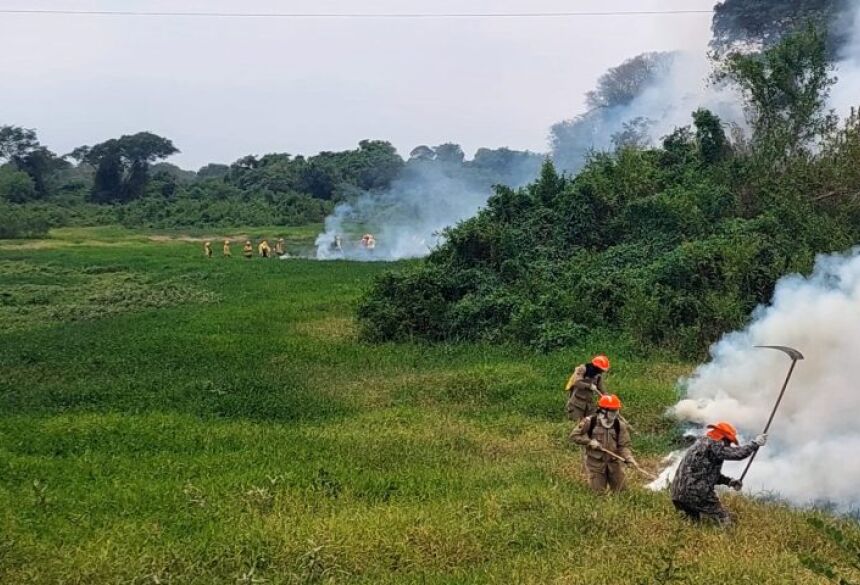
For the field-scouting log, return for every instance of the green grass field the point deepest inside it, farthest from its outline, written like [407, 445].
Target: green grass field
[165, 418]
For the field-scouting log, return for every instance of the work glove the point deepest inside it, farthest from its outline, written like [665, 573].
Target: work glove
[630, 461]
[595, 444]
[736, 485]
[594, 388]
[760, 440]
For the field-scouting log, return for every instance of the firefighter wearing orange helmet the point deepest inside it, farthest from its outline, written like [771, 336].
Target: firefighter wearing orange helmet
[606, 439]
[582, 386]
[700, 471]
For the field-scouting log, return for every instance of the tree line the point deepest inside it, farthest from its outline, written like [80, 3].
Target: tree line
[126, 180]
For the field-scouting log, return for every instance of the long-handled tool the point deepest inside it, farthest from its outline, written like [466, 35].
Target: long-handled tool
[635, 465]
[795, 356]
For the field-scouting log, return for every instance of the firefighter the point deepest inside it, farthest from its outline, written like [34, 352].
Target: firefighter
[279, 247]
[227, 253]
[248, 250]
[583, 384]
[700, 471]
[606, 439]
[207, 249]
[264, 249]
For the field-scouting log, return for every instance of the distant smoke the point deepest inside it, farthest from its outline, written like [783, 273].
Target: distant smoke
[811, 457]
[663, 105]
[846, 93]
[407, 220]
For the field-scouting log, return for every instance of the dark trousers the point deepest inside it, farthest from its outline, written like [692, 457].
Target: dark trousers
[708, 510]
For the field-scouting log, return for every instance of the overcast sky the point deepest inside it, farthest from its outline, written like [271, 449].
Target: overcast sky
[221, 88]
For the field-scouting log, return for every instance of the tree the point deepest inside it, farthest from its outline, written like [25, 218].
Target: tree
[16, 186]
[122, 164]
[622, 84]
[762, 23]
[785, 89]
[422, 152]
[634, 134]
[711, 139]
[213, 171]
[449, 153]
[20, 147]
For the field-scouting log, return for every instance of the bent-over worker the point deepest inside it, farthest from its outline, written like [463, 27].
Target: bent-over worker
[700, 471]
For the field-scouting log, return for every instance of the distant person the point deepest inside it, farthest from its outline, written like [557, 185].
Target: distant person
[279, 247]
[368, 242]
[603, 435]
[700, 471]
[583, 384]
[248, 249]
[227, 253]
[335, 245]
[207, 249]
[264, 249]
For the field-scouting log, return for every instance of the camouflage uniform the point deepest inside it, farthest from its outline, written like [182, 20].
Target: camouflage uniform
[699, 472]
[603, 470]
[580, 396]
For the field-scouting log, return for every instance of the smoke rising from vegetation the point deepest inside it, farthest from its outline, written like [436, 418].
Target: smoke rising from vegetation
[641, 101]
[811, 455]
[845, 92]
[433, 192]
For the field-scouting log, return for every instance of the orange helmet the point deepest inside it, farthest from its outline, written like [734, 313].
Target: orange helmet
[723, 430]
[600, 361]
[609, 402]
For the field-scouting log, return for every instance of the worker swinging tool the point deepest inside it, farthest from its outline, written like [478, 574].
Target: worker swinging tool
[700, 471]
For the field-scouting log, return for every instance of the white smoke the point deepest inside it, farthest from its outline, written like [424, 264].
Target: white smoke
[811, 456]
[844, 94]
[667, 103]
[407, 220]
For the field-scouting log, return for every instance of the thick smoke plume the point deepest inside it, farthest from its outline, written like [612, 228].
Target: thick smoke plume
[681, 83]
[407, 220]
[812, 455]
[844, 95]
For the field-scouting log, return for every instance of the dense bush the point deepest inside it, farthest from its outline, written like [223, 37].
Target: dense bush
[670, 245]
[18, 221]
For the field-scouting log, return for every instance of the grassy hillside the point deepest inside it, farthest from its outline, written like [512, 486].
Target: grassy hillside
[170, 419]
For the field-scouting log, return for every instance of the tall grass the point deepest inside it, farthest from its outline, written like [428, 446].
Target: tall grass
[241, 434]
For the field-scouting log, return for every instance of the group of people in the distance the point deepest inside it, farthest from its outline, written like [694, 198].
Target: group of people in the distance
[264, 250]
[605, 434]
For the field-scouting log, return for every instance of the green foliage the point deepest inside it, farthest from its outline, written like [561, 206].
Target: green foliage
[18, 221]
[670, 246]
[122, 164]
[16, 186]
[786, 89]
[327, 175]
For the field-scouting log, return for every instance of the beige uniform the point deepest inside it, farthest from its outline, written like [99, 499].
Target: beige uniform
[581, 400]
[603, 470]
